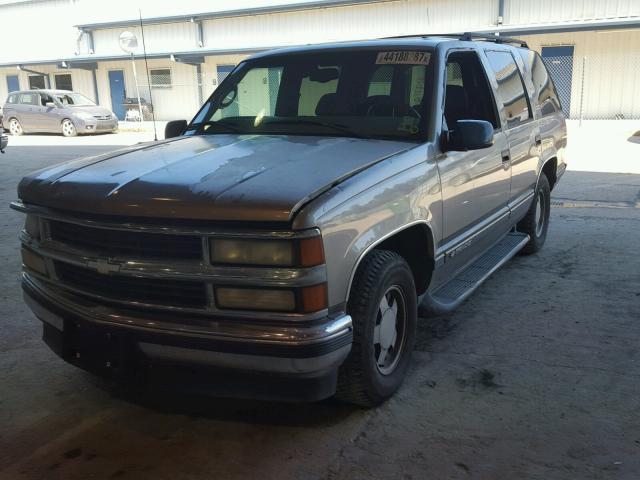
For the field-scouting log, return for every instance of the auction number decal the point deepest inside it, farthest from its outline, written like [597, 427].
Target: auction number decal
[403, 58]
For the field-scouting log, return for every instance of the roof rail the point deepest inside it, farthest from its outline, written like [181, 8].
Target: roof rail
[470, 36]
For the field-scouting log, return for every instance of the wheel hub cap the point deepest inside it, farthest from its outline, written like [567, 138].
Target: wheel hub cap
[388, 333]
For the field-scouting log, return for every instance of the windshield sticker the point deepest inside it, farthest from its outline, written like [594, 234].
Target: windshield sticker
[403, 58]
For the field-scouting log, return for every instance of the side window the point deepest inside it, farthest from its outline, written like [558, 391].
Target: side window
[317, 91]
[510, 87]
[545, 94]
[44, 99]
[28, 99]
[468, 95]
[64, 81]
[12, 99]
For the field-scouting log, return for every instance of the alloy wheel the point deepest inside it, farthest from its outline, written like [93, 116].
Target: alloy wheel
[389, 331]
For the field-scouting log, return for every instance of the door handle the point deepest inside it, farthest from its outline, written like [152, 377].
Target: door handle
[506, 159]
[538, 139]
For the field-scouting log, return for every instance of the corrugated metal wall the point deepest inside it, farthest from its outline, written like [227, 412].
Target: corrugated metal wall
[611, 87]
[520, 12]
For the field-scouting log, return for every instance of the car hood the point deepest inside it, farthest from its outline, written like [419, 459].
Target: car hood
[219, 177]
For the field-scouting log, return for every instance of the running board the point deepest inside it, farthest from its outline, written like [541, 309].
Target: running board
[449, 296]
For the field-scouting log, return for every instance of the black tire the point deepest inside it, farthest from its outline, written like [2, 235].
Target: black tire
[363, 380]
[536, 222]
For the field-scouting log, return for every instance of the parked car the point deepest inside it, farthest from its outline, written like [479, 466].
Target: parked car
[56, 111]
[288, 236]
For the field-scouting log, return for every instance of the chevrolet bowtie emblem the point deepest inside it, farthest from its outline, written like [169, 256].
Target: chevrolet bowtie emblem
[104, 265]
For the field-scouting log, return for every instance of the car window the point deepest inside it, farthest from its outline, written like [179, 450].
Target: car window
[468, 93]
[545, 94]
[29, 98]
[73, 99]
[366, 93]
[511, 89]
[45, 98]
[12, 99]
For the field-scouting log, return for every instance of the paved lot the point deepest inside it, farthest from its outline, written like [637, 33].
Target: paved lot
[536, 376]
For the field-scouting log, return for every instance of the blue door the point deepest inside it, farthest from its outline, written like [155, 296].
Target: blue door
[559, 62]
[13, 83]
[118, 93]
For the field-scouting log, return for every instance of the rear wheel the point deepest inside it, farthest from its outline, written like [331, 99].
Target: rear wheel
[383, 306]
[536, 221]
[14, 127]
[68, 128]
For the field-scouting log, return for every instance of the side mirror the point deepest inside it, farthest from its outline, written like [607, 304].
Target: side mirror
[174, 128]
[50, 105]
[469, 135]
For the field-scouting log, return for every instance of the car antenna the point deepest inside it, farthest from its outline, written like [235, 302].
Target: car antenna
[146, 66]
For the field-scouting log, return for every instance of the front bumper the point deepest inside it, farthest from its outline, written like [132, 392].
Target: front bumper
[88, 337]
[96, 126]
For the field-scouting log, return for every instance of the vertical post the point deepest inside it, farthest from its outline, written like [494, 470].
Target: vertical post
[95, 84]
[135, 78]
[199, 83]
[584, 66]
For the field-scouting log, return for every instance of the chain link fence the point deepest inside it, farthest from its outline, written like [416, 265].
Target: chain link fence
[598, 87]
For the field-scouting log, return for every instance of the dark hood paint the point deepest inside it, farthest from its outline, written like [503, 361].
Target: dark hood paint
[221, 177]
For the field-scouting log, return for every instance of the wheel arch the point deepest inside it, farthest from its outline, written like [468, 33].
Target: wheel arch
[406, 241]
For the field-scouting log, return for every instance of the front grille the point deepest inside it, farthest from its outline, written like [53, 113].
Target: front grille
[177, 293]
[102, 117]
[125, 243]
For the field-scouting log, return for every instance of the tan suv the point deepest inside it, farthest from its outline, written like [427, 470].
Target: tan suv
[287, 237]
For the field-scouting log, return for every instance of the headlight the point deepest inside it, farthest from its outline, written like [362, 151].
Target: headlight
[302, 300]
[307, 252]
[84, 116]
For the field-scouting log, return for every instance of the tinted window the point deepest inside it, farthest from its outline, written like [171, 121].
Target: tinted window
[44, 99]
[468, 94]
[64, 82]
[545, 94]
[510, 87]
[344, 93]
[36, 81]
[29, 98]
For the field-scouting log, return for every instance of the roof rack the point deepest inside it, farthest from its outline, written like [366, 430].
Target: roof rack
[469, 36]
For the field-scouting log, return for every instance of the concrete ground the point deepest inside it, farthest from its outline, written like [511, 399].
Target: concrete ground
[536, 376]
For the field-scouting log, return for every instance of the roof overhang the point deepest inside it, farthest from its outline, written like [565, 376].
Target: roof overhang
[561, 27]
[241, 12]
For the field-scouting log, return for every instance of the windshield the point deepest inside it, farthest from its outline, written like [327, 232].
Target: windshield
[72, 99]
[369, 94]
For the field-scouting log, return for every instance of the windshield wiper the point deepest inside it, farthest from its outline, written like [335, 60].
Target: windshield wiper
[304, 121]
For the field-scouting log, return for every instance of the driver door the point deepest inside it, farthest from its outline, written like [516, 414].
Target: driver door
[475, 184]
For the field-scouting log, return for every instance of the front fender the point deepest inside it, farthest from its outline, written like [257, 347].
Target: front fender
[367, 209]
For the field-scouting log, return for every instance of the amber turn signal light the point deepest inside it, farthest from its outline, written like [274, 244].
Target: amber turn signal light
[311, 252]
[314, 298]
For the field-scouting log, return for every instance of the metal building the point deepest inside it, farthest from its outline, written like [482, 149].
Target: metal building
[591, 46]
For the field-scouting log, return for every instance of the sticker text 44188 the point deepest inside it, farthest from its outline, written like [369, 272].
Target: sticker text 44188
[403, 58]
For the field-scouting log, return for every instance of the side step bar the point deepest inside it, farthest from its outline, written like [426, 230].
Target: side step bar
[449, 296]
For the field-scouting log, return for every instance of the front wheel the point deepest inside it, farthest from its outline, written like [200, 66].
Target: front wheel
[383, 306]
[68, 128]
[536, 221]
[15, 128]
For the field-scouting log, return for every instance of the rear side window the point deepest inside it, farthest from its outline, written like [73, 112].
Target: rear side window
[29, 98]
[545, 94]
[12, 99]
[511, 89]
